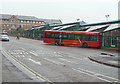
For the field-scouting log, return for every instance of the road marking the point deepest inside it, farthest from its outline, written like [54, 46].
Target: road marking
[58, 63]
[67, 61]
[91, 75]
[97, 74]
[16, 61]
[35, 61]
[33, 53]
[23, 55]
[76, 57]
[83, 59]
[94, 75]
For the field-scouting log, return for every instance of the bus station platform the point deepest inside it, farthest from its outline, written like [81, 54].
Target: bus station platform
[107, 59]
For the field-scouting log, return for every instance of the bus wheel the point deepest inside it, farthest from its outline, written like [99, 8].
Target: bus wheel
[56, 43]
[62, 45]
[85, 45]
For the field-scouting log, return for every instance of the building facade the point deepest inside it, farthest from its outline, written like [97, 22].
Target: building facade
[111, 36]
[9, 22]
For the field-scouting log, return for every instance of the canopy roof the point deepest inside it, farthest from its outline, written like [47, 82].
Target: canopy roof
[96, 27]
[111, 27]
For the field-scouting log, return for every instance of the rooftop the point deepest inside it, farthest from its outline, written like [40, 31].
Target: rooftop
[22, 17]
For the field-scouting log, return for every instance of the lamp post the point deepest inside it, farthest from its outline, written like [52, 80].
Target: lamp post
[77, 25]
[78, 19]
[107, 17]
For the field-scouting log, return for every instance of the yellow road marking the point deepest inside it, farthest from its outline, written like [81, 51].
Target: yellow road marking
[26, 67]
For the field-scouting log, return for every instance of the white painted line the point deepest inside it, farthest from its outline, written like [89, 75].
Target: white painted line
[97, 74]
[25, 68]
[21, 66]
[75, 57]
[58, 63]
[23, 55]
[67, 60]
[35, 61]
[18, 55]
[91, 75]
[83, 59]
[57, 55]
[33, 53]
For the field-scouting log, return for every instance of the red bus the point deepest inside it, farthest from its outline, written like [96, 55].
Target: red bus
[77, 38]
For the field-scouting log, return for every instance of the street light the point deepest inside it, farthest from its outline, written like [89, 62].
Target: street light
[107, 17]
[78, 19]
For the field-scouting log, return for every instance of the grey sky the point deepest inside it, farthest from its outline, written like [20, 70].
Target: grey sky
[66, 10]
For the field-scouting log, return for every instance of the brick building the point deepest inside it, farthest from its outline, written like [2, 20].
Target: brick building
[8, 22]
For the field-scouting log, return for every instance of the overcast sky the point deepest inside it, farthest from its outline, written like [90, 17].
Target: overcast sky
[90, 11]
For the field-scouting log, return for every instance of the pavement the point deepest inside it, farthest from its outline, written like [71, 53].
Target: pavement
[11, 73]
[107, 59]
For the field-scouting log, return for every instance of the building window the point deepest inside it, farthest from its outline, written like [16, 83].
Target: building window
[27, 21]
[42, 22]
[7, 25]
[21, 21]
[4, 19]
[13, 20]
[11, 25]
[30, 21]
[4, 25]
[36, 21]
[7, 19]
[20, 26]
[33, 21]
[18, 21]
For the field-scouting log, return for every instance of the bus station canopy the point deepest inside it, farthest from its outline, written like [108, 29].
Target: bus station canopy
[56, 28]
[96, 27]
[36, 28]
[40, 27]
[111, 27]
[83, 28]
[65, 27]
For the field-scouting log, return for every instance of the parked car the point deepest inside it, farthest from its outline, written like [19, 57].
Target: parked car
[4, 38]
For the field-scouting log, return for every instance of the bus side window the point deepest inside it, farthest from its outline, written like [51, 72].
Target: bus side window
[84, 37]
[80, 37]
[93, 38]
[47, 35]
[64, 36]
[57, 35]
[76, 36]
[52, 35]
[71, 36]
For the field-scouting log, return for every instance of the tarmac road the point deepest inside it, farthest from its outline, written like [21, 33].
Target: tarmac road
[60, 63]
